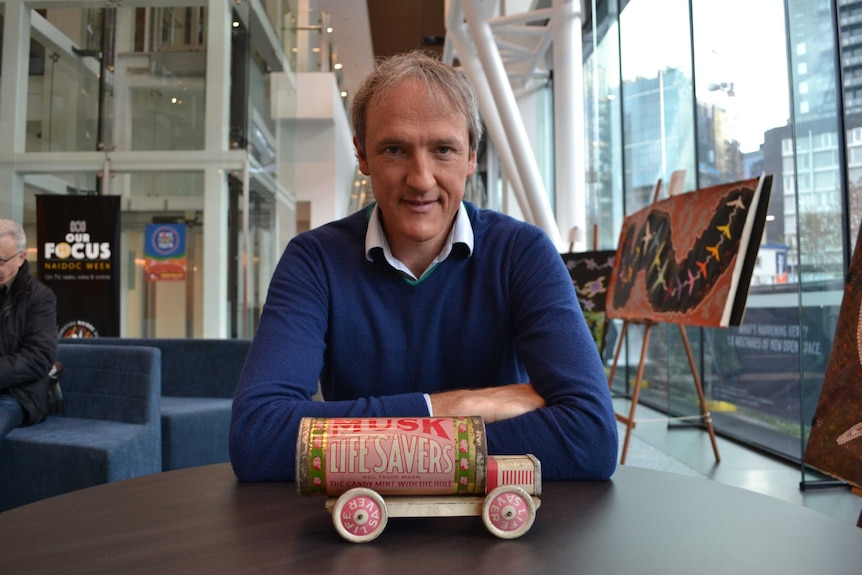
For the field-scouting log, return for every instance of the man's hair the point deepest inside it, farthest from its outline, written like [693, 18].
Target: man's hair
[10, 228]
[442, 81]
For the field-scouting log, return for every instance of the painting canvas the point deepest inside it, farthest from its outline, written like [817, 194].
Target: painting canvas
[591, 274]
[835, 443]
[688, 259]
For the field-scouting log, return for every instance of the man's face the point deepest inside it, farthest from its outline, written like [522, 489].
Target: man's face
[9, 249]
[417, 154]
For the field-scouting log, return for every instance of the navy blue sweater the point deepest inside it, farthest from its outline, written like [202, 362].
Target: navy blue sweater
[376, 341]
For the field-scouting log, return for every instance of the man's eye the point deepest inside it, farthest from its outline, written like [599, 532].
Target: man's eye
[444, 150]
[392, 149]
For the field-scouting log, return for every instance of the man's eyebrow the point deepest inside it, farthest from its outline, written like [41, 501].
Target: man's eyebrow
[399, 142]
[386, 142]
[451, 142]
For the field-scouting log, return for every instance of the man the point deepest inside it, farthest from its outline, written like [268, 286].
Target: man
[28, 334]
[423, 304]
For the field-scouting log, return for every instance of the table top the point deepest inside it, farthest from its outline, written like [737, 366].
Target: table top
[202, 520]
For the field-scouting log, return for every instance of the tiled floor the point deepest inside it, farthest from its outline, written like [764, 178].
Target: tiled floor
[740, 466]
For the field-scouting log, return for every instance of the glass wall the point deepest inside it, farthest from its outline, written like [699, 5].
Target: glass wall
[603, 129]
[724, 98]
[752, 371]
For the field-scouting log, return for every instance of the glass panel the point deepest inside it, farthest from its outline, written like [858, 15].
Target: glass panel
[819, 224]
[166, 115]
[658, 139]
[161, 308]
[603, 133]
[737, 105]
[154, 87]
[761, 378]
[160, 80]
[658, 122]
[254, 261]
[751, 373]
[63, 90]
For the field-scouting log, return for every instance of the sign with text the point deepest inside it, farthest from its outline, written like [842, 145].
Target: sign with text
[772, 363]
[78, 241]
[165, 252]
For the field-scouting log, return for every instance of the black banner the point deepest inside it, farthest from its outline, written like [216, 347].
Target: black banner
[79, 248]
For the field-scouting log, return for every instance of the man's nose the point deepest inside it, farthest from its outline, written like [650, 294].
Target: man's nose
[420, 172]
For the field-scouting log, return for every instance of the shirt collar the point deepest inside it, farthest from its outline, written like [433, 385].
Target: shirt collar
[461, 233]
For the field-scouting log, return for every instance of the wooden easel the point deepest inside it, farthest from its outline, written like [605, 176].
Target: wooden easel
[576, 233]
[629, 420]
[674, 188]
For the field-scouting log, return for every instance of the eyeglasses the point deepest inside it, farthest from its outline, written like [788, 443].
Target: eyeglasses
[12, 257]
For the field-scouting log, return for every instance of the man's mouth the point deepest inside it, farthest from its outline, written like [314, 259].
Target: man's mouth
[420, 205]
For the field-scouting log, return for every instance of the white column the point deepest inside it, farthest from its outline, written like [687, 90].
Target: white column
[218, 75]
[215, 232]
[569, 133]
[13, 106]
[476, 12]
[215, 268]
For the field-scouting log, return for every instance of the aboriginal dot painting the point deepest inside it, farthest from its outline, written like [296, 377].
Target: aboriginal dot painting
[835, 443]
[688, 259]
[591, 276]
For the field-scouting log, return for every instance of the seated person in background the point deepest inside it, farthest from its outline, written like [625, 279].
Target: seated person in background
[28, 334]
[422, 304]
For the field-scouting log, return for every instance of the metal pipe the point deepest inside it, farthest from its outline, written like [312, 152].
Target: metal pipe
[490, 115]
[569, 119]
[477, 22]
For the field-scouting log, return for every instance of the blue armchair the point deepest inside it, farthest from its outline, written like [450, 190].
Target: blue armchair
[109, 429]
[199, 377]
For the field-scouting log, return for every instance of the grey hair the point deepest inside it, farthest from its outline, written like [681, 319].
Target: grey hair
[441, 80]
[11, 228]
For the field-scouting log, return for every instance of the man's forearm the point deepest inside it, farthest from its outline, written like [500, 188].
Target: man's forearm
[491, 403]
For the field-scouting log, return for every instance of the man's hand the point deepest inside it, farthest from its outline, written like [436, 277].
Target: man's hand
[491, 403]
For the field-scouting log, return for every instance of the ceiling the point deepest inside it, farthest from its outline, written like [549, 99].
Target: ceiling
[363, 31]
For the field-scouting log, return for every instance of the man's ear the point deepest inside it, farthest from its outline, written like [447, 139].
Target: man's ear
[363, 160]
[472, 163]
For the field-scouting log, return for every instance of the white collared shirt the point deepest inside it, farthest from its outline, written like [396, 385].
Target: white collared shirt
[461, 233]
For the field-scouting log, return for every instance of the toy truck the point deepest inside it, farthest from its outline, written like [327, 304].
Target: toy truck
[424, 466]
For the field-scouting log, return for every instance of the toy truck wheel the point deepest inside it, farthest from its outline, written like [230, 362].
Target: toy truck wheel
[359, 515]
[508, 512]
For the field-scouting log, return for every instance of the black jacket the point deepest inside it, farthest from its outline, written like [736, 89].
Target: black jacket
[28, 343]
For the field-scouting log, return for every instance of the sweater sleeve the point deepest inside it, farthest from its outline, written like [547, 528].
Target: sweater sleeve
[575, 434]
[282, 370]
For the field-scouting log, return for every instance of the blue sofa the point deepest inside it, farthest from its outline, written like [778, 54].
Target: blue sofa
[199, 377]
[109, 429]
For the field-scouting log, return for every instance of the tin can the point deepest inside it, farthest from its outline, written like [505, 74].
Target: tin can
[393, 456]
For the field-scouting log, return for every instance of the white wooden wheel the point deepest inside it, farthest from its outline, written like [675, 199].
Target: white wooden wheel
[359, 515]
[508, 511]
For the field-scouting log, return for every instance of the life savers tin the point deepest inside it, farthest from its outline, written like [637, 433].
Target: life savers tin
[393, 456]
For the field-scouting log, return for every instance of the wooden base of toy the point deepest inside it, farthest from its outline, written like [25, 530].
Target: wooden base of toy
[360, 514]
[629, 420]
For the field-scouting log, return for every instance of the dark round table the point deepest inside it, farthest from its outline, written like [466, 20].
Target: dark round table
[202, 520]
